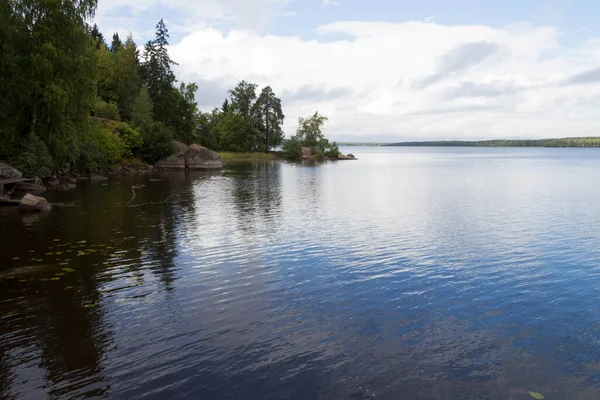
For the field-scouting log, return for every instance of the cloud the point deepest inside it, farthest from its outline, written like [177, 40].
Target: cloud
[591, 76]
[459, 59]
[483, 89]
[330, 3]
[488, 82]
[315, 93]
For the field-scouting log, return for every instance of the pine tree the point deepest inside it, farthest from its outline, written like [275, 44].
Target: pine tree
[116, 44]
[270, 118]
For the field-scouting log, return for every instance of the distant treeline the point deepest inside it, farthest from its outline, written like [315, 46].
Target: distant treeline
[564, 142]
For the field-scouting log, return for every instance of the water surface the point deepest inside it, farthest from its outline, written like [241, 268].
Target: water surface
[413, 273]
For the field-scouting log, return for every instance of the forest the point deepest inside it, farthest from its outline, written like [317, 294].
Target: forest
[69, 99]
[564, 142]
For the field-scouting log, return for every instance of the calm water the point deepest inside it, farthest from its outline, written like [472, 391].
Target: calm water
[413, 273]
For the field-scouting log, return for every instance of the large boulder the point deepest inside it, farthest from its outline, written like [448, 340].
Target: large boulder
[35, 187]
[346, 157]
[31, 203]
[190, 157]
[8, 172]
[198, 157]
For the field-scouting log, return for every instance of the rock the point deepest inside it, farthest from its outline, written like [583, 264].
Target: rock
[346, 157]
[28, 187]
[307, 153]
[98, 178]
[190, 157]
[64, 186]
[52, 182]
[198, 157]
[8, 172]
[31, 203]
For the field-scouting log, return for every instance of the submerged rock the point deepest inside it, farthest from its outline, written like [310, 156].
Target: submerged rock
[191, 157]
[31, 203]
[8, 172]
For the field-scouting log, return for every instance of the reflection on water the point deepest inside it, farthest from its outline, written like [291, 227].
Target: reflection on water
[412, 273]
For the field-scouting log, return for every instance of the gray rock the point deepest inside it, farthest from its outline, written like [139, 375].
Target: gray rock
[192, 157]
[64, 186]
[307, 153]
[29, 187]
[31, 203]
[8, 172]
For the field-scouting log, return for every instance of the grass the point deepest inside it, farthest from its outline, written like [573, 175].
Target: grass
[233, 157]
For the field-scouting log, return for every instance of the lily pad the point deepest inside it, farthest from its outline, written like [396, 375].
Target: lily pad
[64, 263]
[58, 253]
[22, 280]
[59, 274]
[48, 254]
[89, 305]
[55, 279]
[68, 269]
[44, 279]
[81, 253]
[69, 288]
[82, 241]
[536, 395]
[16, 258]
[57, 240]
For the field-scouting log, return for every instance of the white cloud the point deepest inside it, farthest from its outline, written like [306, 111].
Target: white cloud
[489, 82]
[330, 3]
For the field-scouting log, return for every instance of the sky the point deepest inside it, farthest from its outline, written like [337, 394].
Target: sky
[390, 70]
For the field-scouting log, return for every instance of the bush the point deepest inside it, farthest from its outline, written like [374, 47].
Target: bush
[33, 158]
[102, 109]
[100, 149]
[132, 138]
[157, 143]
[292, 149]
[333, 151]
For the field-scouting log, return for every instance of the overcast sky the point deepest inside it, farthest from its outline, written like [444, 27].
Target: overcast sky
[386, 70]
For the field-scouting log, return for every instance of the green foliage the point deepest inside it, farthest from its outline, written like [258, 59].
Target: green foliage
[564, 142]
[237, 133]
[33, 158]
[132, 139]
[157, 143]
[100, 149]
[292, 148]
[269, 118]
[309, 130]
[47, 84]
[108, 110]
[141, 111]
[159, 76]
[309, 134]
[187, 120]
[127, 80]
[242, 98]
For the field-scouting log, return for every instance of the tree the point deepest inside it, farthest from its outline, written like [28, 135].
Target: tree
[49, 62]
[187, 109]
[236, 133]
[116, 44]
[97, 36]
[309, 134]
[128, 79]
[270, 118]
[309, 130]
[159, 76]
[242, 98]
[106, 74]
[225, 106]
[141, 110]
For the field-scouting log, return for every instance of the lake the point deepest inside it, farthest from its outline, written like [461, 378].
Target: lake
[412, 273]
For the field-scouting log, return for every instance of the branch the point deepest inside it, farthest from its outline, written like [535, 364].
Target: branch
[133, 197]
[150, 203]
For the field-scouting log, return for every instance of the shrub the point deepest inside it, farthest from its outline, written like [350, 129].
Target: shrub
[102, 109]
[157, 143]
[292, 148]
[100, 149]
[33, 158]
[132, 138]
